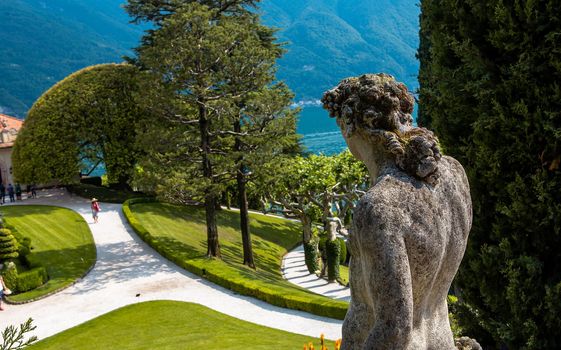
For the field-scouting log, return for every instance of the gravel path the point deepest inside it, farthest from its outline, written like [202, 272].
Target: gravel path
[295, 271]
[126, 266]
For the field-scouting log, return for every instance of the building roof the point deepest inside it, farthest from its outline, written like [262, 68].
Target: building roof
[9, 127]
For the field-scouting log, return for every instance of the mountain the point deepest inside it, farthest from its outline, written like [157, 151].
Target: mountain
[329, 40]
[42, 41]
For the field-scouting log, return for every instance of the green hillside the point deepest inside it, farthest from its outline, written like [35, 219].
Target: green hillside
[45, 40]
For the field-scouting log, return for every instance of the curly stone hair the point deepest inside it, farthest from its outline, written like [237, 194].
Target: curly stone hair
[378, 106]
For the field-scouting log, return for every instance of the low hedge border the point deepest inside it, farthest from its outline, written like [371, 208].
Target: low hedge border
[219, 273]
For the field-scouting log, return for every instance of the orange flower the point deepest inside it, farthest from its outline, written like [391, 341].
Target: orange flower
[338, 344]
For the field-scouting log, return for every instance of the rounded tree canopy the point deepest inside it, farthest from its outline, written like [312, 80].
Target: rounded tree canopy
[86, 119]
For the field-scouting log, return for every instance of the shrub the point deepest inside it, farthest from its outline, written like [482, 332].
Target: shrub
[31, 279]
[10, 276]
[343, 253]
[8, 245]
[311, 254]
[333, 251]
[93, 180]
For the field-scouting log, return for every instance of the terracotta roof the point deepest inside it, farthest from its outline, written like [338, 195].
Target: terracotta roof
[9, 124]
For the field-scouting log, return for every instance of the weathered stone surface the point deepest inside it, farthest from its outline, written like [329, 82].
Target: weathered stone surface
[465, 343]
[410, 229]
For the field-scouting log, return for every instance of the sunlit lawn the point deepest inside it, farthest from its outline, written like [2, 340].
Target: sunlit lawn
[61, 241]
[172, 325]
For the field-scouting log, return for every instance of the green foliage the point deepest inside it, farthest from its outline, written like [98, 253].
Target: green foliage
[104, 193]
[14, 338]
[94, 181]
[333, 251]
[490, 75]
[311, 254]
[10, 276]
[266, 283]
[156, 326]
[63, 132]
[31, 279]
[8, 245]
[343, 254]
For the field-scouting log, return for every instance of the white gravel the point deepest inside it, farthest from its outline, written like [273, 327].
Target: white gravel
[295, 271]
[126, 266]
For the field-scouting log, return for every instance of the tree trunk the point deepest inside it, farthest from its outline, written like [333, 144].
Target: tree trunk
[306, 228]
[242, 202]
[213, 246]
[244, 222]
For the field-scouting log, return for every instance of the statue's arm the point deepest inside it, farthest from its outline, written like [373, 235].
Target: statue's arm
[389, 280]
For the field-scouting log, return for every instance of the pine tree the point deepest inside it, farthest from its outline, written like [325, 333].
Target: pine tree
[490, 74]
[208, 70]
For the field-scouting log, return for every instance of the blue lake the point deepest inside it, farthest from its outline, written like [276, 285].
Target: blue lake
[321, 133]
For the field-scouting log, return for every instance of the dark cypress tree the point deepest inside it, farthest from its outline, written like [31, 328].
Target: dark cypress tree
[491, 89]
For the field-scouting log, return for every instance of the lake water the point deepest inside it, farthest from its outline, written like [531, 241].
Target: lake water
[321, 133]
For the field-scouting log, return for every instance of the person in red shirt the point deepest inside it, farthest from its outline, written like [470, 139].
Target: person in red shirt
[95, 210]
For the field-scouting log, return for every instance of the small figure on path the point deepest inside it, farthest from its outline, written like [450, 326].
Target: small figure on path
[409, 230]
[11, 193]
[2, 193]
[33, 191]
[95, 210]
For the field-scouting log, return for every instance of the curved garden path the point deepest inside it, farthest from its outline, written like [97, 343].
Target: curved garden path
[295, 271]
[127, 267]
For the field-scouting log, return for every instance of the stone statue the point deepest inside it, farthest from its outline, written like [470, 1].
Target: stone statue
[409, 230]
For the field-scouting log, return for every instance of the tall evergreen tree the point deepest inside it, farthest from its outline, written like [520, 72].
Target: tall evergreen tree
[257, 136]
[203, 66]
[490, 73]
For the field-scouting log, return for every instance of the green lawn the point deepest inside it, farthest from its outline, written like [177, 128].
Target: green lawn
[61, 241]
[172, 325]
[179, 233]
[272, 237]
[344, 273]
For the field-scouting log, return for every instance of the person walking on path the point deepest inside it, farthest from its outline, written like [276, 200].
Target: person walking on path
[2, 193]
[33, 191]
[95, 210]
[11, 193]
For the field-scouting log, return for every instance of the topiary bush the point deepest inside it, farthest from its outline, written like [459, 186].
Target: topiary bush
[10, 276]
[333, 250]
[311, 253]
[343, 253]
[31, 279]
[8, 245]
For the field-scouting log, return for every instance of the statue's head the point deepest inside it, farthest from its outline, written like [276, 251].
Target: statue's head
[377, 109]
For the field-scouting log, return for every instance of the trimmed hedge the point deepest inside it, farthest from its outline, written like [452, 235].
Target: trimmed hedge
[31, 279]
[103, 193]
[93, 180]
[333, 250]
[220, 273]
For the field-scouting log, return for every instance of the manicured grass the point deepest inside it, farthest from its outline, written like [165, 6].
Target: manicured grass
[179, 233]
[61, 241]
[172, 325]
[344, 274]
